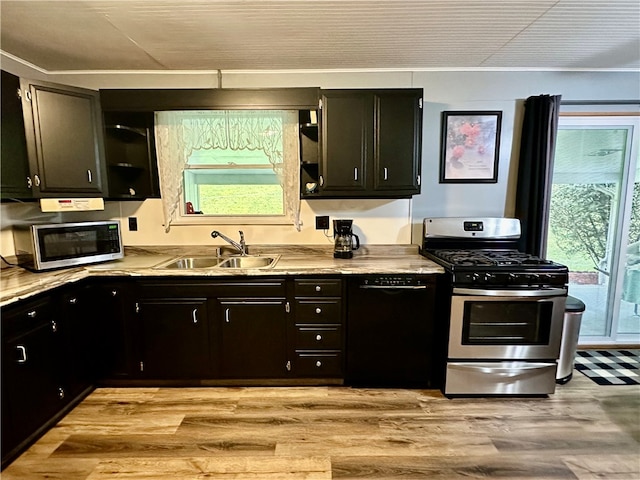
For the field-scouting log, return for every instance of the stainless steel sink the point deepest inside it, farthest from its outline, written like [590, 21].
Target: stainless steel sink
[250, 261]
[192, 262]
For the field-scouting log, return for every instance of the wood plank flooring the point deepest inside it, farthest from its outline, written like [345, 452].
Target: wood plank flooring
[583, 431]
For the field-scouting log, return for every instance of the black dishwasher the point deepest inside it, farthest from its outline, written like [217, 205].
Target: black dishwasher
[390, 323]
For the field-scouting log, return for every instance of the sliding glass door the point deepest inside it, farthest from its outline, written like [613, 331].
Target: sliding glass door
[594, 222]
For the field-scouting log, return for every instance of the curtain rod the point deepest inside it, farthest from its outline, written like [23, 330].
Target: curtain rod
[600, 102]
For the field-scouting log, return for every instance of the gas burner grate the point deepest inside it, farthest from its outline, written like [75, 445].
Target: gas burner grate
[461, 257]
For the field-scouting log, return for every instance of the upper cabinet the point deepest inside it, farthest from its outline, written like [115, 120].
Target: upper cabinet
[369, 144]
[132, 169]
[15, 175]
[64, 136]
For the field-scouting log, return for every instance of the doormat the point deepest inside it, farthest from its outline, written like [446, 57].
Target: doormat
[609, 367]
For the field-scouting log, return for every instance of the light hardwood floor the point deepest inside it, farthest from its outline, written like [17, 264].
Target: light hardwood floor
[583, 431]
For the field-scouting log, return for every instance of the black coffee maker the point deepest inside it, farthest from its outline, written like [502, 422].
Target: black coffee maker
[343, 239]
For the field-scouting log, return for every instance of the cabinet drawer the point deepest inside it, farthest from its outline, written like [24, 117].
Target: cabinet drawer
[318, 287]
[318, 311]
[316, 337]
[316, 364]
[26, 317]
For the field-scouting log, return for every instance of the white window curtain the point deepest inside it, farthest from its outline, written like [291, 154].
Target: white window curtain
[179, 133]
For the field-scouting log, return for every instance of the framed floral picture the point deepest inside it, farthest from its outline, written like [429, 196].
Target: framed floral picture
[469, 147]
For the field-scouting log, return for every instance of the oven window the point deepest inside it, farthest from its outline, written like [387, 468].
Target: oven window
[506, 323]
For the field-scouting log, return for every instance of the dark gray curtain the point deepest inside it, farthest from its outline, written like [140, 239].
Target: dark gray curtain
[535, 169]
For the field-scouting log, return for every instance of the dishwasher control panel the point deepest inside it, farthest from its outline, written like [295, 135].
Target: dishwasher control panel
[391, 281]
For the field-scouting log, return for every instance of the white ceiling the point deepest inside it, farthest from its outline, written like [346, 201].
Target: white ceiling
[95, 35]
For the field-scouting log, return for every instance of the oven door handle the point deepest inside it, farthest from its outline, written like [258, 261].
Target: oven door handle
[546, 292]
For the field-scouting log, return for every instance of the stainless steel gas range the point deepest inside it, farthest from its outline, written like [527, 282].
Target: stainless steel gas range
[505, 310]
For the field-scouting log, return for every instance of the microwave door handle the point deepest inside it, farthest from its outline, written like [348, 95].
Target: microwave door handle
[549, 292]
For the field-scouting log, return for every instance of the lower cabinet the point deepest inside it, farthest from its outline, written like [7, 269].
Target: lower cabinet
[174, 338]
[318, 340]
[252, 337]
[47, 364]
[241, 328]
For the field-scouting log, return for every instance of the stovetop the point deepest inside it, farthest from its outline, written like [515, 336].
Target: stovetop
[498, 267]
[494, 258]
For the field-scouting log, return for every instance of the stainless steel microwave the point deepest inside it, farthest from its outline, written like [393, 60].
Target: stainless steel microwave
[59, 245]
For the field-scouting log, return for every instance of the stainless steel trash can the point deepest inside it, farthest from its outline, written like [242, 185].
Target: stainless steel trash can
[569, 342]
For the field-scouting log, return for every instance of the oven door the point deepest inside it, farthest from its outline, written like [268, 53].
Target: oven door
[508, 324]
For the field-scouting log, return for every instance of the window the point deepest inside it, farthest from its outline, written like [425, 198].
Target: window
[594, 221]
[229, 166]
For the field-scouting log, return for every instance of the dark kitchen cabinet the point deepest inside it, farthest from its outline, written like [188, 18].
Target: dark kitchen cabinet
[252, 337]
[32, 386]
[79, 333]
[174, 337]
[370, 143]
[15, 175]
[132, 169]
[47, 363]
[318, 328]
[64, 134]
[113, 310]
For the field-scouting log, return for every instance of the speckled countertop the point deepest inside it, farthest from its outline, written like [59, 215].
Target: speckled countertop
[17, 283]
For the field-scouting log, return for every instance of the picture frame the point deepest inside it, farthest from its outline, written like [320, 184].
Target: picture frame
[470, 146]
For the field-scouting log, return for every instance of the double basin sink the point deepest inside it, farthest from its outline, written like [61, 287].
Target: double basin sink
[239, 261]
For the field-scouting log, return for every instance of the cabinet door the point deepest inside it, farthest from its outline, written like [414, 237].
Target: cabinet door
[31, 389]
[253, 337]
[15, 175]
[174, 336]
[63, 128]
[79, 341]
[347, 120]
[114, 313]
[398, 133]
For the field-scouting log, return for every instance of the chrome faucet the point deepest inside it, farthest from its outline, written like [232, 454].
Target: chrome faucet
[242, 246]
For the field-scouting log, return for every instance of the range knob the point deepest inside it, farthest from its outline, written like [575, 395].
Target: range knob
[488, 277]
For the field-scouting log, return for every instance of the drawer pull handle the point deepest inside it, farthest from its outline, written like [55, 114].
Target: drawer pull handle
[226, 315]
[23, 353]
[194, 315]
[318, 364]
[318, 288]
[318, 337]
[318, 310]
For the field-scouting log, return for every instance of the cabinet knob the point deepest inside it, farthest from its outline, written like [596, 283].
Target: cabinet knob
[114, 293]
[32, 314]
[318, 364]
[36, 180]
[29, 182]
[54, 326]
[318, 310]
[318, 337]
[318, 288]
[73, 301]
[61, 393]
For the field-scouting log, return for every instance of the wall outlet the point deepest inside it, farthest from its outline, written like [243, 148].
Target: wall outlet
[133, 224]
[322, 222]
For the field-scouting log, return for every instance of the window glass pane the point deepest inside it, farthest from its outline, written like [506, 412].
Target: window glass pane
[589, 195]
[234, 172]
